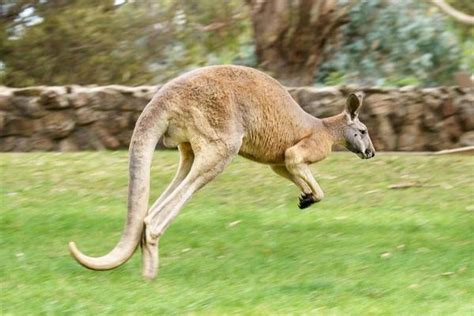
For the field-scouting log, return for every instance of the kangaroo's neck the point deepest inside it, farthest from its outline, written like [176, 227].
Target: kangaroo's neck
[334, 127]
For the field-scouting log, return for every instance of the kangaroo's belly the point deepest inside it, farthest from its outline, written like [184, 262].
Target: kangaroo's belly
[268, 144]
[275, 158]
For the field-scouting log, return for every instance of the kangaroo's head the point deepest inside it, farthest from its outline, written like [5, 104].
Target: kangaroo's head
[355, 133]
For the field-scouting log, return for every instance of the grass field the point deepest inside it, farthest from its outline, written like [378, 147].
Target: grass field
[364, 250]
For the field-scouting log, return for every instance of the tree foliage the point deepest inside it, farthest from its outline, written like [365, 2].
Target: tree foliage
[395, 43]
[98, 42]
[55, 42]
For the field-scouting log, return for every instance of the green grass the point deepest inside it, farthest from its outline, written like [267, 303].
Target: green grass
[364, 250]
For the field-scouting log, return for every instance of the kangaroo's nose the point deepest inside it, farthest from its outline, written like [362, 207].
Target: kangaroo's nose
[369, 153]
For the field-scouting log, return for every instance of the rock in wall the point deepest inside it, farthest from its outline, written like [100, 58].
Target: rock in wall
[73, 118]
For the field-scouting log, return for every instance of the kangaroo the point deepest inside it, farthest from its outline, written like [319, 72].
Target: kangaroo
[213, 114]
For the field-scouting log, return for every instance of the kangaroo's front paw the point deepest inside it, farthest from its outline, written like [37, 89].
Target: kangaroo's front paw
[306, 200]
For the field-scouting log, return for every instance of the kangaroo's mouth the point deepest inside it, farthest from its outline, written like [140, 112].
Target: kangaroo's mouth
[361, 153]
[367, 154]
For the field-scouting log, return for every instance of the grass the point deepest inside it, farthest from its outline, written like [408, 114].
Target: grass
[364, 250]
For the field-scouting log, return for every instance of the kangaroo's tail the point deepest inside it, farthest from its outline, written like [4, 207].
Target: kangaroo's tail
[150, 126]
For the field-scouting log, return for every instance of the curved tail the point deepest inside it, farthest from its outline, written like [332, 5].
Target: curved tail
[148, 131]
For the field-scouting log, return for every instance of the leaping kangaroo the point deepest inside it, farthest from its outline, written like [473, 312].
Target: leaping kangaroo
[213, 114]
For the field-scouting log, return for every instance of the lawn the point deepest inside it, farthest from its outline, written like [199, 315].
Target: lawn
[241, 245]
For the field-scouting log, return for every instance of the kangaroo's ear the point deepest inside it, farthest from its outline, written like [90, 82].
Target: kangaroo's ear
[353, 104]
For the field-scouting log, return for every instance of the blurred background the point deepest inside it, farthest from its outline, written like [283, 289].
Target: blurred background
[136, 42]
[75, 75]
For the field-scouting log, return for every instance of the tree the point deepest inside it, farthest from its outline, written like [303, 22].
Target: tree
[389, 42]
[459, 16]
[74, 42]
[58, 42]
[292, 37]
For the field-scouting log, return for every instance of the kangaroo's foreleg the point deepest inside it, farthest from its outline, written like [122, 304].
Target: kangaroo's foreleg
[296, 159]
[306, 197]
[303, 172]
[150, 256]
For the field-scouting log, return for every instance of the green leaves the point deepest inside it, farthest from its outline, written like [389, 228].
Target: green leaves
[395, 42]
[80, 42]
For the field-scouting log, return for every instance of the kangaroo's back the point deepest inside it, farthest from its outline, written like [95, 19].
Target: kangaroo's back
[235, 99]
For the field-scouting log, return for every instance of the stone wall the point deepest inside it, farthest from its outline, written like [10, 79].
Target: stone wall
[95, 118]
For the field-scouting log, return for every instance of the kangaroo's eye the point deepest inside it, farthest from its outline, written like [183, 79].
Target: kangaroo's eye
[363, 131]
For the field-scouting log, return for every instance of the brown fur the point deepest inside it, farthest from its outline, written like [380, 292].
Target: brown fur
[212, 114]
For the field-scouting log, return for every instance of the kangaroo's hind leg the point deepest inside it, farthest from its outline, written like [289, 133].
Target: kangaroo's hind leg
[150, 256]
[208, 163]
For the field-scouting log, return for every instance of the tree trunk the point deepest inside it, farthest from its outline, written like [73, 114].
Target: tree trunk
[291, 37]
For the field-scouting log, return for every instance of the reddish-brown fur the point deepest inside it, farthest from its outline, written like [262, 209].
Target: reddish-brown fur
[212, 114]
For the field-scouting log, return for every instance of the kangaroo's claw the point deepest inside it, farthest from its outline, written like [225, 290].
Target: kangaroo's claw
[305, 201]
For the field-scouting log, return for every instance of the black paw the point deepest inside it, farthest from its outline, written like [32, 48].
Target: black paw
[305, 201]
